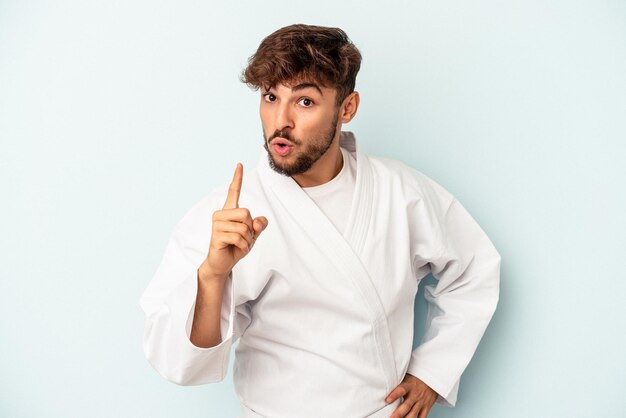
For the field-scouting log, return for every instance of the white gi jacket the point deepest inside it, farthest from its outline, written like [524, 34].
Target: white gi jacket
[324, 320]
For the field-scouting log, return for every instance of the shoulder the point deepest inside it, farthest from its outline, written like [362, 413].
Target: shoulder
[408, 180]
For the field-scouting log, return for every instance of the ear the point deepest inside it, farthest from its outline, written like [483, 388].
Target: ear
[349, 107]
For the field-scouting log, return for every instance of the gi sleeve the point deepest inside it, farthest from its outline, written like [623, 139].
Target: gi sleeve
[460, 306]
[169, 302]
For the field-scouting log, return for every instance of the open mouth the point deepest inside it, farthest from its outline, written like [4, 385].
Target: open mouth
[282, 146]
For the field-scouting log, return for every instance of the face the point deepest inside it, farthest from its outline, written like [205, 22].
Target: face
[299, 125]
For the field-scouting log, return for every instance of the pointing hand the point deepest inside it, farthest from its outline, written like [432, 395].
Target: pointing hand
[234, 231]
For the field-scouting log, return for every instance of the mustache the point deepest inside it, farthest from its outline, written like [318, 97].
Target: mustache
[284, 135]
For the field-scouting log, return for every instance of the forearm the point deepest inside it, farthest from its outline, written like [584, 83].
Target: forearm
[206, 328]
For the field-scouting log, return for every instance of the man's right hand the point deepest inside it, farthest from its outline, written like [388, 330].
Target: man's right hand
[233, 234]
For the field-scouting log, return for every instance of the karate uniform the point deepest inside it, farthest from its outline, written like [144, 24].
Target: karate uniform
[324, 319]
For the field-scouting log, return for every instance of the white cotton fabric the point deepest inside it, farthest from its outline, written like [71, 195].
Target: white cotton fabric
[334, 198]
[325, 317]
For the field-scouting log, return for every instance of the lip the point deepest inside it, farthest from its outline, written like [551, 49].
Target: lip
[282, 146]
[283, 150]
[279, 140]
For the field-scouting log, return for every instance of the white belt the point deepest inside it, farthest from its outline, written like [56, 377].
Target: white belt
[381, 413]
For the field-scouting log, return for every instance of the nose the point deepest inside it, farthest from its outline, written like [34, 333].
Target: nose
[284, 117]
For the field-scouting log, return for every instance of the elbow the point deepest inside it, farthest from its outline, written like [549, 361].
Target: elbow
[186, 370]
[169, 351]
[187, 376]
[175, 376]
[495, 288]
[491, 285]
[184, 378]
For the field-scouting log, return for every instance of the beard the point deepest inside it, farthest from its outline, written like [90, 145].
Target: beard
[315, 149]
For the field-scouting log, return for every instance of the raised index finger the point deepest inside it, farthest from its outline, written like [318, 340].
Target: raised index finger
[232, 199]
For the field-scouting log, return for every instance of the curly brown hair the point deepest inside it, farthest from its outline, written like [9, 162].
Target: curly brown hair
[305, 53]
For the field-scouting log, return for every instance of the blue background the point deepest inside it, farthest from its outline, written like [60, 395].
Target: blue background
[117, 116]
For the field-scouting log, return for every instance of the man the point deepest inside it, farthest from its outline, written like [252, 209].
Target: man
[319, 286]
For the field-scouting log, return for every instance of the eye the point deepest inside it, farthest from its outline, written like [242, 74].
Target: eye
[269, 97]
[306, 102]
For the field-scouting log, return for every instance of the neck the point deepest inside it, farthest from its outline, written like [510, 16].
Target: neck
[324, 169]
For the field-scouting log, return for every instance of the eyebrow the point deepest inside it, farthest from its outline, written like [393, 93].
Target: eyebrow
[306, 86]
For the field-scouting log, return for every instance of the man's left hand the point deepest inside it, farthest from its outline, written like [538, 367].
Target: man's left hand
[418, 398]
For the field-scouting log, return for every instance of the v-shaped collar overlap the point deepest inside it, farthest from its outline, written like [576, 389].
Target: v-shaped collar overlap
[343, 251]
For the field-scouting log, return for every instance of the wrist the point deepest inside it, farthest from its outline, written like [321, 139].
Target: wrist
[206, 275]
